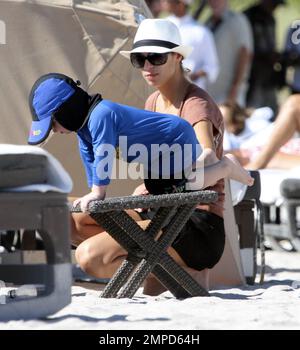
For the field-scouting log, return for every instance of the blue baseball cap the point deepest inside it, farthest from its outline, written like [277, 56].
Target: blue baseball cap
[47, 95]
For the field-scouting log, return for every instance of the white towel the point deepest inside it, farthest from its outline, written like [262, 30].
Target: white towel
[270, 183]
[238, 191]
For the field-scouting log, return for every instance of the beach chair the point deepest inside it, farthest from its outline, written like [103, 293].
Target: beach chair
[281, 202]
[145, 254]
[46, 212]
[249, 218]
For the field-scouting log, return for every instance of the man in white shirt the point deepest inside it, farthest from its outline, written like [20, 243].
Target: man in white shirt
[203, 61]
[234, 43]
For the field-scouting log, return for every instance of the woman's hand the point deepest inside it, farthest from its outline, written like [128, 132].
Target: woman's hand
[97, 193]
[140, 191]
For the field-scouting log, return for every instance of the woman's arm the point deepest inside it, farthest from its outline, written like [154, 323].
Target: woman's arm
[204, 133]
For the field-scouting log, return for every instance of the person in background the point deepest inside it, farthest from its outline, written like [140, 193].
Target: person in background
[263, 80]
[203, 62]
[244, 124]
[155, 7]
[234, 45]
[265, 144]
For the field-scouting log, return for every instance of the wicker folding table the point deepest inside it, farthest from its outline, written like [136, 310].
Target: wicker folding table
[146, 253]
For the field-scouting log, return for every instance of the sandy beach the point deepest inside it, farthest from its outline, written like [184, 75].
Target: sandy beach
[273, 305]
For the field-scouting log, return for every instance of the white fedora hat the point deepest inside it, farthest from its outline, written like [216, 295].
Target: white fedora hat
[158, 36]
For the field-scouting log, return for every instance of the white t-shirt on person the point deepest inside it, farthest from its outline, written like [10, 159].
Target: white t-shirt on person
[204, 55]
[231, 34]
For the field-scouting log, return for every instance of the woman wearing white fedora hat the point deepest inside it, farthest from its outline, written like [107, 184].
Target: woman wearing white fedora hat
[158, 52]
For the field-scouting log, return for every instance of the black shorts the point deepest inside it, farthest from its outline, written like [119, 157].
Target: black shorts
[201, 242]
[165, 186]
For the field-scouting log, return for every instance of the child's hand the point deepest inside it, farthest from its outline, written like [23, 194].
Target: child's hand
[85, 200]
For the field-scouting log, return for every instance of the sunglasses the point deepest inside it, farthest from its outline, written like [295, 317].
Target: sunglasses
[156, 59]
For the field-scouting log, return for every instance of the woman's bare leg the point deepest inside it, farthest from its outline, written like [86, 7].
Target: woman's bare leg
[283, 161]
[286, 124]
[100, 256]
[84, 227]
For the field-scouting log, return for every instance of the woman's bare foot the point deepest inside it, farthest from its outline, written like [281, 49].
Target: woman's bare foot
[236, 171]
[243, 156]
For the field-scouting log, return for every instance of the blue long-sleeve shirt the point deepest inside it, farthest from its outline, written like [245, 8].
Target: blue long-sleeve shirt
[138, 134]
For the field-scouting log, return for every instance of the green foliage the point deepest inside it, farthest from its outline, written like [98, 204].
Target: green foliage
[284, 15]
[294, 3]
[241, 5]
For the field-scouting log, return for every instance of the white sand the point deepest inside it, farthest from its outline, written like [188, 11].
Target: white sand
[274, 305]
